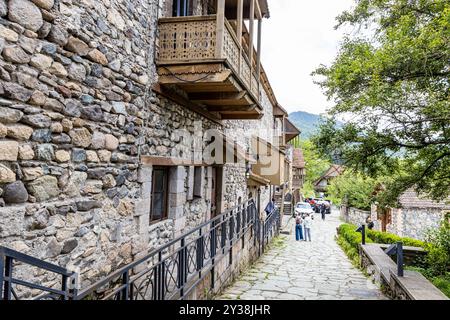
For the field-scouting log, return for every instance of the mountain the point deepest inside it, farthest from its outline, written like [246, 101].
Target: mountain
[306, 122]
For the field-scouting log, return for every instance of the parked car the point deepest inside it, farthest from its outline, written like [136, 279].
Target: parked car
[303, 208]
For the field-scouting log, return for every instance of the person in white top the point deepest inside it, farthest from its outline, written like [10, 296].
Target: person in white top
[307, 223]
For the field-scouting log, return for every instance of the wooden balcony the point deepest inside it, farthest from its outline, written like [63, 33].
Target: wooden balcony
[271, 163]
[203, 57]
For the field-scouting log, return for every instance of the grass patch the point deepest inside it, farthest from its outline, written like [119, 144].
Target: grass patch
[277, 242]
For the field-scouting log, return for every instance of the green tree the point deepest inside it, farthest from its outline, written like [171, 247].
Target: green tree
[391, 85]
[316, 165]
[352, 187]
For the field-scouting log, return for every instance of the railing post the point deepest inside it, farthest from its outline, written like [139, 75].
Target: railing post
[125, 281]
[161, 277]
[220, 28]
[2, 270]
[400, 259]
[200, 252]
[182, 272]
[73, 289]
[363, 233]
[224, 234]
[8, 274]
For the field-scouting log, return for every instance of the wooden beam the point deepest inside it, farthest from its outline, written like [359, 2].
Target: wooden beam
[258, 57]
[219, 77]
[240, 22]
[251, 31]
[258, 11]
[170, 162]
[217, 95]
[220, 28]
[241, 116]
[175, 97]
[230, 108]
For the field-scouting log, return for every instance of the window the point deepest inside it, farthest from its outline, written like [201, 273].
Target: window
[160, 183]
[182, 8]
[198, 182]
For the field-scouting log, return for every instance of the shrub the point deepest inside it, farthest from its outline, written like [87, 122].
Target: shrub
[438, 247]
[389, 238]
[348, 232]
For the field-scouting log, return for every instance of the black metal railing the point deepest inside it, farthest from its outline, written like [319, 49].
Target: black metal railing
[395, 249]
[173, 270]
[10, 284]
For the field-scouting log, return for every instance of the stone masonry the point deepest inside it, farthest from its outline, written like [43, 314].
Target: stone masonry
[77, 112]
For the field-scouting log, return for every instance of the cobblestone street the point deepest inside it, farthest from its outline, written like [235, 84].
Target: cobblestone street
[292, 270]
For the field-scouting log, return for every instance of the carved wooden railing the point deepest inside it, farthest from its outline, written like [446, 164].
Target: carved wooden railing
[195, 39]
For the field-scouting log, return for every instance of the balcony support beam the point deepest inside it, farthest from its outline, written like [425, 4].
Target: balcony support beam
[258, 62]
[251, 31]
[220, 29]
[240, 23]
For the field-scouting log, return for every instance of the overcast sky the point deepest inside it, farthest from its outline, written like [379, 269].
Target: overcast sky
[297, 38]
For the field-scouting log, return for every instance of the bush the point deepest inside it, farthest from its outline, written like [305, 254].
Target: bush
[389, 238]
[438, 247]
[349, 241]
[348, 232]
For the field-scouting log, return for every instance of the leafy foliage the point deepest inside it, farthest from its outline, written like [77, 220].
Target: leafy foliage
[349, 241]
[393, 87]
[389, 238]
[352, 187]
[438, 247]
[316, 165]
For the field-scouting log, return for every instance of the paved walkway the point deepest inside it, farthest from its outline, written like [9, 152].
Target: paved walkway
[317, 270]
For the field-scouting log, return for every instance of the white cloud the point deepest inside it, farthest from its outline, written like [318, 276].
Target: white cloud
[297, 38]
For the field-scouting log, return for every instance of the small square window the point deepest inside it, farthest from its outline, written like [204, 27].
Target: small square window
[198, 182]
[160, 182]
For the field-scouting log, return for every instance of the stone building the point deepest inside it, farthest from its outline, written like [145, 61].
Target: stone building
[298, 174]
[107, 109]
[321, 184]
[413, 217]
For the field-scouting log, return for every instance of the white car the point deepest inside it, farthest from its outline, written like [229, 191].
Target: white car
[303, 208]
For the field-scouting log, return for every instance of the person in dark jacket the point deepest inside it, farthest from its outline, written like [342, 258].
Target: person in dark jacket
[323, 210]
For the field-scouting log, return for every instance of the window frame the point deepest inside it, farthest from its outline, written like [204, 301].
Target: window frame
[182, 8]
[165, 193]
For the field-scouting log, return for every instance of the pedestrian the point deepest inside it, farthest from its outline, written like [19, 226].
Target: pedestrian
[370, 223]
[323, 210]
[270, 206]
[298, 228]
[307, 224]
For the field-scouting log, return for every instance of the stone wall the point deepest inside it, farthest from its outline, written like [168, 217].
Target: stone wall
[415, 222]
[77, 113]
[353, 215]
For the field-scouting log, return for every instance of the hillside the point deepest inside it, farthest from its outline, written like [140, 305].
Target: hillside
[306, 122]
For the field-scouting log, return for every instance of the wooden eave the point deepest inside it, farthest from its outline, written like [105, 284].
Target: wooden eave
[279, 111]
[213, 86]
[290, 130]
[257, 180]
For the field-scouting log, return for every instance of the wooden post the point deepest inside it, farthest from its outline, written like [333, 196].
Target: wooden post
[250, 45]
[220, 28]
[258, 61]
[240, 21]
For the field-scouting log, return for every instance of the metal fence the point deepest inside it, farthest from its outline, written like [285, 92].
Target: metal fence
[170, 272]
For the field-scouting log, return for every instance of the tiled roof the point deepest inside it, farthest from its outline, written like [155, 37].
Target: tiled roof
[410, 199]
[299, 160]
[334, 171]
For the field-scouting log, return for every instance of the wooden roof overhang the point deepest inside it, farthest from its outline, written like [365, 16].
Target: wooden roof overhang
[290, 130]
[214, 86]
[255, 180]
